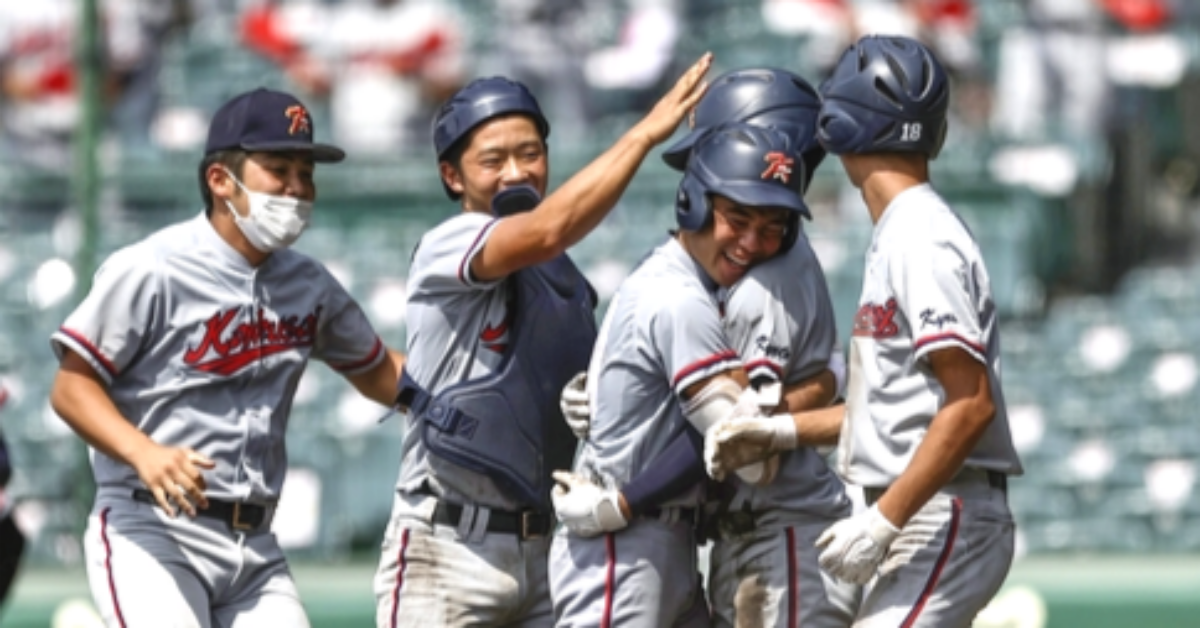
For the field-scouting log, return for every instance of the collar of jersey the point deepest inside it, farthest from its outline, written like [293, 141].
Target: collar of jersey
[233, 259]
[676, 251]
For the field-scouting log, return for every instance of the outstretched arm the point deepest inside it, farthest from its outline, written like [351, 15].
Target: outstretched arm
[575, 208]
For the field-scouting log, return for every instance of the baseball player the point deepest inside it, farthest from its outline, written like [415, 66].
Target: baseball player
[498, 319]
[179, 368]
[662, 366]
[12, 541]
[779, 318]
[925, 430]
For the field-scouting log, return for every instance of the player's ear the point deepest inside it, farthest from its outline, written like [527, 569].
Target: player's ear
[451, 176]
[219, 182]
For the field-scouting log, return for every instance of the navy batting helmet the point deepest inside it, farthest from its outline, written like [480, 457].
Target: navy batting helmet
[886, 94]
[759, 96]
[477, 102]
[751, 165]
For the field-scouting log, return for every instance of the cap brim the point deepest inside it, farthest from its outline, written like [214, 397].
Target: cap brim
[768, 196]
[676, 156]
[326, 153]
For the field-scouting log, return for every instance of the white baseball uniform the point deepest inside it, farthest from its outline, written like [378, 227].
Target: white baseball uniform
[764, 567]
[430, 573]
[199, 349]
[661, 334]
[925, 288]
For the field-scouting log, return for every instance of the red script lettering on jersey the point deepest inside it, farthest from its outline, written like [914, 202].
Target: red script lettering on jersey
[226, 348]
[876, 321]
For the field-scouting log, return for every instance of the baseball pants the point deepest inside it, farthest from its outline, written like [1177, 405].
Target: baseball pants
[439, 575]
[146, 568]
[947, 563]
[635, 578]
[770, 577]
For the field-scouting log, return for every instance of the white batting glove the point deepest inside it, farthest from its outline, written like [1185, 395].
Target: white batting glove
[586, 509]
[737, 442]
[854, 547]
[576, 408]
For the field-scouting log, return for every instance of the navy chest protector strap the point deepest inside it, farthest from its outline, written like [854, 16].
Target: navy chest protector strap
[508, 425]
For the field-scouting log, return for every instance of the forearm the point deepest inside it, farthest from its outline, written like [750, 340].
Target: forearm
[819, 427]
[952, 436]
[813, 393]
[379, 383]
[85, 406]
[677, 468]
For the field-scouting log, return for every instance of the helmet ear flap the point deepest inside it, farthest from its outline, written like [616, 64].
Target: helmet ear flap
[691, 204]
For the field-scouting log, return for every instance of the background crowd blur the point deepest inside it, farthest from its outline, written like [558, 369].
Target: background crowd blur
[1073, 153]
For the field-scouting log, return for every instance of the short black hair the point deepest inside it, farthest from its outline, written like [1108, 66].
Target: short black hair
[234, 159]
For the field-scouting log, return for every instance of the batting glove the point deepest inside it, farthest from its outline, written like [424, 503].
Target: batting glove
[854, 547]
[576, 408]
[586, 509]
[737, 442]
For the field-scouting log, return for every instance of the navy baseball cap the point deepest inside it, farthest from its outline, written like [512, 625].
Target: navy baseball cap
[266, 120]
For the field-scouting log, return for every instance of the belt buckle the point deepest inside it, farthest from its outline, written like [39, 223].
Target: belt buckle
[528, 518]
[237, 523]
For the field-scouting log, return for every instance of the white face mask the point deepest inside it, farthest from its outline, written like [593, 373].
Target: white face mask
[275, 222]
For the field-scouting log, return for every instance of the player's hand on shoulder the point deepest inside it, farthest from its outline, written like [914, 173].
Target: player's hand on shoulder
[585, 508]
[173, 475]
[662, 121]
[576, 407]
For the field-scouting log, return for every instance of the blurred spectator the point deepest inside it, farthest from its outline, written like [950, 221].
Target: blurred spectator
[381, 65]
[643, 55]
[39, 103]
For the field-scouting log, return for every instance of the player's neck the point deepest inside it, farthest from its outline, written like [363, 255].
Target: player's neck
[887, 178]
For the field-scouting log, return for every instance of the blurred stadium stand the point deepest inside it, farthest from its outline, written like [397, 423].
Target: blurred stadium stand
[1098, 287]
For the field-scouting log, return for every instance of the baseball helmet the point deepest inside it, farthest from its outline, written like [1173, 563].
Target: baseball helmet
[886, 94]
[760, 96]
[751, 165]
[477, 102]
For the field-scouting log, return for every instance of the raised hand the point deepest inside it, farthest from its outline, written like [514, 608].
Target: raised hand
[666, 115]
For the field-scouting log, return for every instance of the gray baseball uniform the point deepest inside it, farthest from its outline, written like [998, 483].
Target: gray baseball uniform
[661, 334]
[764, 568]
[201, 350]
[430, 573]
[926, 288]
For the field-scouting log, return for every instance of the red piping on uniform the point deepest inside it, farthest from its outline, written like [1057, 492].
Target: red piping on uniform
[91, 349]
[931, 584]
[793, 581]
[112, 586]
[610, 580]
[921, 342]
[363, 362]
[765, 364]
[462, 267]
[702, 364]
[401, 565]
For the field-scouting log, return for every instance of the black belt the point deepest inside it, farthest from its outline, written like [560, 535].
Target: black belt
[237, 515]
[995, 479]
[686, 515]
[527, 524]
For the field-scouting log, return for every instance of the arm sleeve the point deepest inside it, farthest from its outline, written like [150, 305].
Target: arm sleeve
[690, 339]
[442, 263]
[346, 341]
[107, 329]
[676, 469]
[937, 287]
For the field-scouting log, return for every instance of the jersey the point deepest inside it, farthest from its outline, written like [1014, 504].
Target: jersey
[780, 320]
[661, 334]
[458, 330]
[925, 288]
[200, 349]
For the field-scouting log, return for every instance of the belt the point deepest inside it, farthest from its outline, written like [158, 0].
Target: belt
[237, 515]
[684, 515]
[995, 479]
[527, 524]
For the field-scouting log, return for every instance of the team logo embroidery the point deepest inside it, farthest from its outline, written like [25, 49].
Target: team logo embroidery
[779, 166]
[228, 347]
[299, 116]
[492, 337]
[769, 350]
[877, 321]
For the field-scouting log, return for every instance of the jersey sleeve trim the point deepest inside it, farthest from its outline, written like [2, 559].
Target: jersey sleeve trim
[361, 365]
[722, 361]
[81, 345]
[927, 344]
[764, 368]
[464, 267]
